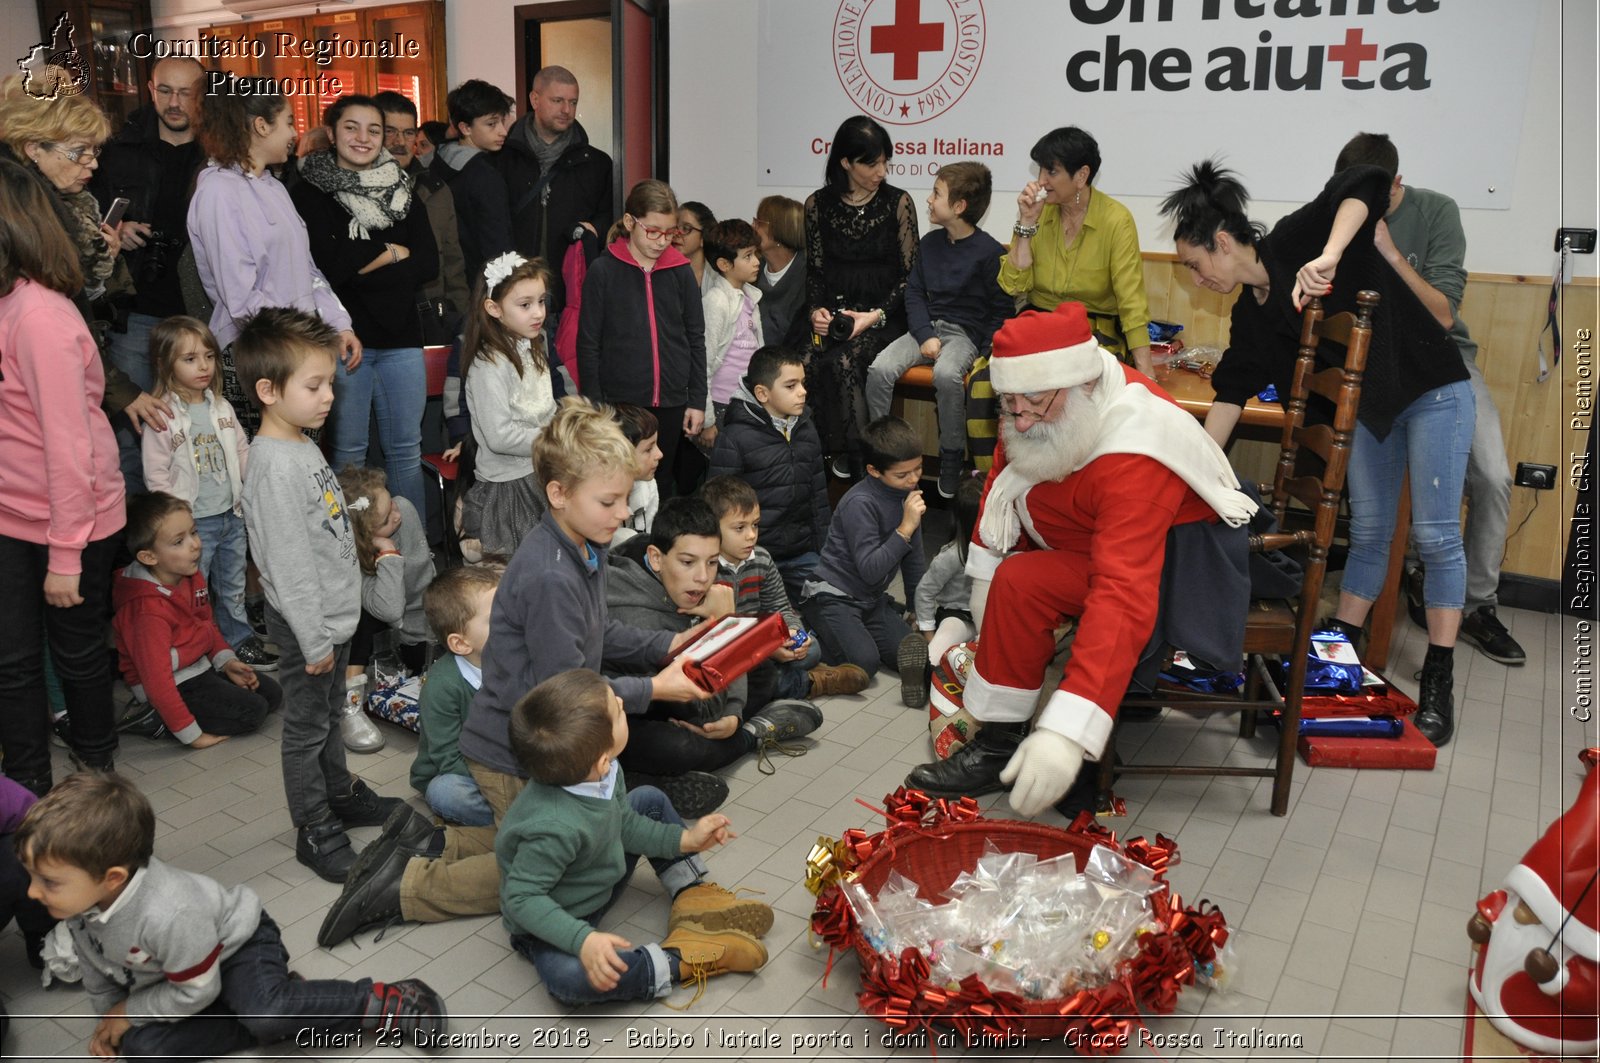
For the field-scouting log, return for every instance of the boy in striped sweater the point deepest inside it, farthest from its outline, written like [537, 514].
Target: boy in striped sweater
[757, 584]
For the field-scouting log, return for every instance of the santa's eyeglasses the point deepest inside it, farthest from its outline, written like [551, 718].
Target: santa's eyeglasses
[1033, 403]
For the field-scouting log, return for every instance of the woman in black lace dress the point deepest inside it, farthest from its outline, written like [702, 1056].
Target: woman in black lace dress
[861, 241]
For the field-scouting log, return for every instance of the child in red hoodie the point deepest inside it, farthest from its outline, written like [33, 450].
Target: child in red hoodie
[172, 653]
[641, 329]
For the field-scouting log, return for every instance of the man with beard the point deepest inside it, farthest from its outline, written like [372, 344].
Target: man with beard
[152, 163]
[1095, 465]
[556, 180]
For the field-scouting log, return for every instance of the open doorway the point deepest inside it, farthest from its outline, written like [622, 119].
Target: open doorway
[617, 51]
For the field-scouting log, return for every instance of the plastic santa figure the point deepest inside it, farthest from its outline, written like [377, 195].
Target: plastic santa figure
[1535, 978]
[1096, 464]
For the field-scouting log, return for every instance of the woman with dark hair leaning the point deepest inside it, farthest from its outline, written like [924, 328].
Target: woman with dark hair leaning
[1074, 243]
[861, 242]
[1417, 409]
[250, 246]
[371, 238]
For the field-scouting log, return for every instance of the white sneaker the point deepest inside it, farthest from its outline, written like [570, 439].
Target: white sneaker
[360, 734]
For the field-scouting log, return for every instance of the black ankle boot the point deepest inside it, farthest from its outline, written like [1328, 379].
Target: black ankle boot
[1436, 705]
[975, 768]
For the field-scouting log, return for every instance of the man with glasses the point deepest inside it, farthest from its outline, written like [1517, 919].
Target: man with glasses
[1095, 466]
[447, 293]
[151, 163]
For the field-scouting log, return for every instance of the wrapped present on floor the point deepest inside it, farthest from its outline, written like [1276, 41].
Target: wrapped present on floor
[1006, 930]
[950, 725]
[398, 702]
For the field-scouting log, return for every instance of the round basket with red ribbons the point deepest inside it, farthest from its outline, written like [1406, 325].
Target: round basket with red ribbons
[933, 840]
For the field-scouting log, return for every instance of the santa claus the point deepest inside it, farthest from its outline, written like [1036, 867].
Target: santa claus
[1535, 979]
[1095, 465]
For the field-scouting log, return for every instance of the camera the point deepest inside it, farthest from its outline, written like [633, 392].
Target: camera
[160, 255]
[842, 325]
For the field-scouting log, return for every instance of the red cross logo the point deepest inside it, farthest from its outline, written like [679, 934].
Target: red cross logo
[1352, 53]
[907, 37]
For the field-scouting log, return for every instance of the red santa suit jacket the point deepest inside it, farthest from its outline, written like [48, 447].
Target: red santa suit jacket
[1109, 521]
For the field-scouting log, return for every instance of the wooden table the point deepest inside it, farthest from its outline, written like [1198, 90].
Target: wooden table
[1265, 420]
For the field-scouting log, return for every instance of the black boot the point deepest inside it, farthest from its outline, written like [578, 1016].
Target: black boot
[324, 847]
[975, 768]
[1436, 705]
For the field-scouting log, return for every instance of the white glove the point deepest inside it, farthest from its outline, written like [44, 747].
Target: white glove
[1041, 771]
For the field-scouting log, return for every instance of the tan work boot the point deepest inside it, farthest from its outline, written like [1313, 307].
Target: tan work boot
[829, 679]
[704, 954]
[710, 907]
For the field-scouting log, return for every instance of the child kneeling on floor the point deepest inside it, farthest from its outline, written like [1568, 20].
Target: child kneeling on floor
[177, 965]
[567, 848]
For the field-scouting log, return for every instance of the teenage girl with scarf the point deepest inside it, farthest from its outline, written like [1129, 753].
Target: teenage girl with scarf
[371, 238]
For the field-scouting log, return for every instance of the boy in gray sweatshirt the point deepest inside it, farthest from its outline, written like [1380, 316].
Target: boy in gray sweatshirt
[176, 964]
[301, 540]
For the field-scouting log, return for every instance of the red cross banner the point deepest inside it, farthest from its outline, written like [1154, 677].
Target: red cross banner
[1272, 86]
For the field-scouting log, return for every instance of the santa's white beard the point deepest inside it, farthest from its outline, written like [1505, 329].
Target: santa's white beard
[1050, 450]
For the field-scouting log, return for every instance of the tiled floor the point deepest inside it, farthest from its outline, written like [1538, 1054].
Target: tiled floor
[1351, 911]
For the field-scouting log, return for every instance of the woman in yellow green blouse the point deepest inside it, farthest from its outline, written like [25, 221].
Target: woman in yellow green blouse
[1072, 242]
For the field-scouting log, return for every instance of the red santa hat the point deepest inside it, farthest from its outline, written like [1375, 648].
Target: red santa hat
[1042, 351]
[1552, 877]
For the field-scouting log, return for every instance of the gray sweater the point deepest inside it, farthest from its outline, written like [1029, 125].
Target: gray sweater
[635, 595]
[301, 540]
[550, 615]
[944, 586]
[161, 944]
[394, 593]
[863, 550]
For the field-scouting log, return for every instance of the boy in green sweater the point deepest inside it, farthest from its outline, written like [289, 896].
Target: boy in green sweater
[568, 844]
[457, 605]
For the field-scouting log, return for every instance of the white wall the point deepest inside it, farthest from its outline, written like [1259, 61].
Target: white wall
[713, 115]
[19, 32]
[1555, 179]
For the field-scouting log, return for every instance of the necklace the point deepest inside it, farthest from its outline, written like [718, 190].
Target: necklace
[849, 200]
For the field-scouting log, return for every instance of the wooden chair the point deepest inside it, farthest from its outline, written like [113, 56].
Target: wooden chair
[1283, 629]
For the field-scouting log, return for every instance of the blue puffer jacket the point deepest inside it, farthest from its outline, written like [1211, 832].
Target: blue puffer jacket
[786, 473]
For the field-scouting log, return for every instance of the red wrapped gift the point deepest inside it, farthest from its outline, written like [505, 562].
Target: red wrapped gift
[1378, 697]
[730, 647]
[1409, 751]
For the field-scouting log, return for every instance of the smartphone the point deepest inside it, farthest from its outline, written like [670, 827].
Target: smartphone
[114, 213]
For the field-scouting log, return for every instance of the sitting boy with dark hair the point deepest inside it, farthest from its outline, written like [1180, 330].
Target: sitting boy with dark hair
[758, 588]
[876, 531]
[176, 964]
[653, 580]
[769, 441]
[567, 846]
[172, 653]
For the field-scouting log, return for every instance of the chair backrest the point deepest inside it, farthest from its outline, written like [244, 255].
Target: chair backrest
[436, 364]
[1341, 385]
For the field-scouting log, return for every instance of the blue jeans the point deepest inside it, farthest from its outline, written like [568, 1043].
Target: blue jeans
[651, 971]
[794, 677]
[130, 352]
[796, 571]
[261, 1003]
[956, 355]
[458, 799]
[1430, 439]
[394, 384]
[853, 633]
[222, 550]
